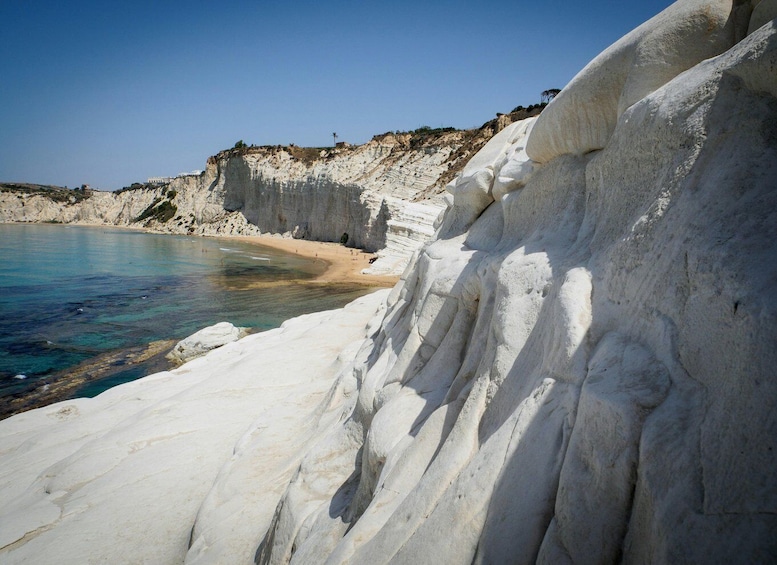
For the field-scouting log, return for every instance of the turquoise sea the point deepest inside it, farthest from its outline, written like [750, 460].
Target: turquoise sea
[69, 294]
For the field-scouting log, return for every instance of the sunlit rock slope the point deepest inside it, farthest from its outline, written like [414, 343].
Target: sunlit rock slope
[578, 369]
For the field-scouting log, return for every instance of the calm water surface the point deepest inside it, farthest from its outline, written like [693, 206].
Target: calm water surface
[70, 293]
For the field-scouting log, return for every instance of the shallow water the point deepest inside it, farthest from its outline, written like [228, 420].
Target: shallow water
[70, 293]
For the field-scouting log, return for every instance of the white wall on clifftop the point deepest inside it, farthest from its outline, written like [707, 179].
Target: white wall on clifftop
[579, 368]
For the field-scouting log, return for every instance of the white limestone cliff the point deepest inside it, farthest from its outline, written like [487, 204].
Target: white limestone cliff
[579, 367]
[586, 111]
[384, 194]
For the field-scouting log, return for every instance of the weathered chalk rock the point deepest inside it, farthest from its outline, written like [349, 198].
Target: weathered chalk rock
[578, 368]
[580, 372]
[121, 477]
[583, 115]
[472, 192]
[381, 194]
[368, 193]
[207, 339]
[514, 169]
[385, 194]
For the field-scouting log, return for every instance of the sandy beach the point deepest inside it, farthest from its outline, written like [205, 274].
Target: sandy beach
[343, 264]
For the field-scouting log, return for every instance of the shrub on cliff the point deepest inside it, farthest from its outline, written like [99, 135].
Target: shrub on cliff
[307, 155]
[158, 210]
[165, 211]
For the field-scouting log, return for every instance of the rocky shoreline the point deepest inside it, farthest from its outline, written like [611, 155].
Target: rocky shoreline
[65, 384]
[336, 263]
[579, 367]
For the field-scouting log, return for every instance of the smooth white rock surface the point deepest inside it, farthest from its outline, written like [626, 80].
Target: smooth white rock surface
[570, 374]
[579, 368]
[199, 343]
[120, 477]
[582, 117]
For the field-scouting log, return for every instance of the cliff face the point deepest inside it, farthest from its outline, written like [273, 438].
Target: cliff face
[385, 195]
[579, 367]
[580, 370]
[99, 207]
[366, 192]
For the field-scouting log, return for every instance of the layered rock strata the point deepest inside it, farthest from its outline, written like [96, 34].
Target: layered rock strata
[383, 196]
[579, 368]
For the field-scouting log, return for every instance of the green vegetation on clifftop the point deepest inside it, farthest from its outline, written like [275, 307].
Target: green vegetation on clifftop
[55, 193]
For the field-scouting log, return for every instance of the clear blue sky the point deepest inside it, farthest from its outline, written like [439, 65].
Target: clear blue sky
[108, 93]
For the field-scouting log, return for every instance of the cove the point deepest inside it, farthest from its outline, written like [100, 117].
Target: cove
[70, 295]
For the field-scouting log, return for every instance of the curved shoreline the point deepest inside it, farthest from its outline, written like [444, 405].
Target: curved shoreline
[343, 264]
[335, 264]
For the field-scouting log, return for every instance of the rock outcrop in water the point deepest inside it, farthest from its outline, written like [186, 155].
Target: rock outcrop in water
[579, 368]
[207, 339]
